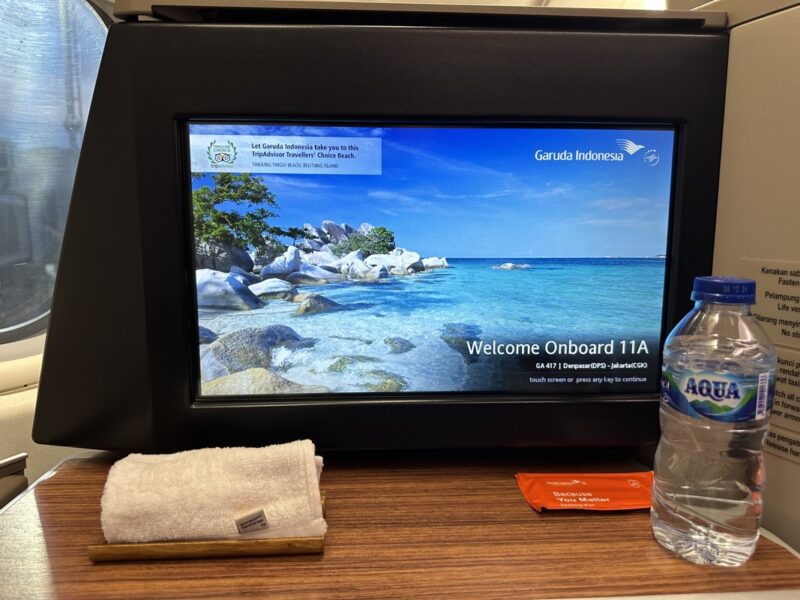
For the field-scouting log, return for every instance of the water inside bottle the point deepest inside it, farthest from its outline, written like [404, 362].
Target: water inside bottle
[707, 490]
[709, 474]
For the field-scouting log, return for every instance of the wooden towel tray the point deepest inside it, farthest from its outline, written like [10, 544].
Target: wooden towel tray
[207, 548]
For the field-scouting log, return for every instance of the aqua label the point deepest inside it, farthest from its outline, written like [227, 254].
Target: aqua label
[710, 395]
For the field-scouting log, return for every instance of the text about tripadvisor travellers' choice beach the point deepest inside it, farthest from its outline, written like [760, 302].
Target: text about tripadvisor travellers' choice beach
[364, 260]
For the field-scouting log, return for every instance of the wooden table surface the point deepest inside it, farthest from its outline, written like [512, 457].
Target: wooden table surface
[399, 527]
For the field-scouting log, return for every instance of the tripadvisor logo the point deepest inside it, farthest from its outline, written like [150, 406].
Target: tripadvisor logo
[221, 155]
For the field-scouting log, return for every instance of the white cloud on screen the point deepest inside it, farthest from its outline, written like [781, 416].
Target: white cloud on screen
[402, 201]
[612, 222]
[451, 164]
[621, 203]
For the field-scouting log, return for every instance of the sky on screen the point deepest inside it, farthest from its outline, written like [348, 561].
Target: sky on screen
[481, 192]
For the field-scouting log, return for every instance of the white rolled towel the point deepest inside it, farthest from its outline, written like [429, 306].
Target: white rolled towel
[214, 493]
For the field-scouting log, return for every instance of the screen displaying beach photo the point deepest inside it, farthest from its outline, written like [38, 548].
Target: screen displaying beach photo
[424, 259]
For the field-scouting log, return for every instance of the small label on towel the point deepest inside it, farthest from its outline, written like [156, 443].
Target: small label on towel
[252, 521]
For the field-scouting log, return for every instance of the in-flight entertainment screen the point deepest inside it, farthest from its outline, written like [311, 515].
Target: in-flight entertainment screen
[422, 259]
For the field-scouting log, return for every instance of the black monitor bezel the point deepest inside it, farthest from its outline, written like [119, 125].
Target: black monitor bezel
[117, 366]
[448, 396]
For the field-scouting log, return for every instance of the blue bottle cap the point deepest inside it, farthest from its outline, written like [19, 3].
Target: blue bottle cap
[725, 290]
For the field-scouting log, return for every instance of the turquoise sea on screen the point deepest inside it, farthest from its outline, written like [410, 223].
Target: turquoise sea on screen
[553, 299]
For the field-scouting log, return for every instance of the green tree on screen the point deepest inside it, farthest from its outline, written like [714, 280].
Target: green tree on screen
[378, 241]
[216, 224]
[295, 233]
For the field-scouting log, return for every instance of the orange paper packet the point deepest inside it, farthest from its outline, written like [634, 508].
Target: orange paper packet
[586, 491]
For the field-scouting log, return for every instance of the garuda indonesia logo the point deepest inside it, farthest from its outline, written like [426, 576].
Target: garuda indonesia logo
[651, 157]
[629, 146]
[221, 154]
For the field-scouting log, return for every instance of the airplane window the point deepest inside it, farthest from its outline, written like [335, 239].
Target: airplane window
[51, 53]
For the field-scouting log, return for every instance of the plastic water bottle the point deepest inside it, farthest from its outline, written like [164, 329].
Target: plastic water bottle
[717, 387]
